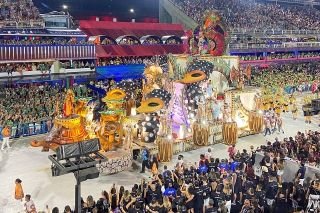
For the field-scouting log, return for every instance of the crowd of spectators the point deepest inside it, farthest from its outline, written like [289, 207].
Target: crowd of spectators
[25, 67]
[290, 77]
[237, 184]
[78, 64]
[252, 15]
[152, 40]
[30, 109]
[129, 41]
[279, 56]
[44, 67]
[132, 60]
[19, 13]
[43, 41]
[25, 108]
[72, 41]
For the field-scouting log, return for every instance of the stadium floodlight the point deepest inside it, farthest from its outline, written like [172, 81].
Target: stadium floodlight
[131, 10]
[65, 7]
[80, 159]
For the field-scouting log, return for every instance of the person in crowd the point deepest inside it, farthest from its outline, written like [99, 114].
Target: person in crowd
[55, 210]
[29, 204]
[232, 151]
[67, 209]
[154, 165]
[145, 159]
[90, 205]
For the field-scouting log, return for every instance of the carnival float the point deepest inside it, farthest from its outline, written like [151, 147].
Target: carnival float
[199, 100]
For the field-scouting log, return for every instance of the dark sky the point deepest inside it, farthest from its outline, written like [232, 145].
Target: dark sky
[116, 8]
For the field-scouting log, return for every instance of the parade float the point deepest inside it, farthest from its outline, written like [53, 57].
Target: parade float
[199, 100]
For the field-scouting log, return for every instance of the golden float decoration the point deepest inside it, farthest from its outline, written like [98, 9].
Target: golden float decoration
[165, 148]
[200, 134]
[255, 122]
[193, 77]
[151, 105]
[230, 133]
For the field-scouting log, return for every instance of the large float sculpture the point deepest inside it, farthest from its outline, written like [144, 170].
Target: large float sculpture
[68, 127]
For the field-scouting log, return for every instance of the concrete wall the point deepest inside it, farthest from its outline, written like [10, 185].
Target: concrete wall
[169, 13]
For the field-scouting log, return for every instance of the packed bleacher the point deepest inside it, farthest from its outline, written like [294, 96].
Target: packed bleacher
[42, 41]
[19, 13]
[279, 56]
[290, 77]
[230, 185]
[25, 67]
[252, 15]
[29, 110]
[132, 60]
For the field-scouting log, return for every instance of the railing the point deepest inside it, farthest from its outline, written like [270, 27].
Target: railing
[46, 52]
[273, 31]
[282, 45]
[22, 24]
[32, 128]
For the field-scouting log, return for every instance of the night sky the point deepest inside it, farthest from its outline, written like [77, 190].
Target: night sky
[115, 8]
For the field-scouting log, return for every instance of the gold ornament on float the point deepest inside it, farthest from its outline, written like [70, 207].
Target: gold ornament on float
[255, 122]
[230, 133]
[165, 148]
[193, 77]
[151, 105]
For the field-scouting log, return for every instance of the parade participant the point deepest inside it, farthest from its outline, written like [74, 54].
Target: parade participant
[267, 125]
[6, 133]
[18, 192]
[232, 151]
[294, 111]
[145, 159]
[279, 123]
[29, 205]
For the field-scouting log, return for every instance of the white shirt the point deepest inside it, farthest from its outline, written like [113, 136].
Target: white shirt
[29, 206]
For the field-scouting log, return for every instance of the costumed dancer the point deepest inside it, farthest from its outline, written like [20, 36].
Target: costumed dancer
[294, 111]
[292, 100]
[280, 124]
[201, 43]
[267, 125]
[128, 137]
[216, 110]
[18, 191]
[285, 104]
[307, 112]
[6, 133]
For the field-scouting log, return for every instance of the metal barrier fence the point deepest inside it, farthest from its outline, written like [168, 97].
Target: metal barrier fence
[273, 31]
[282, 45]
[29, 129]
